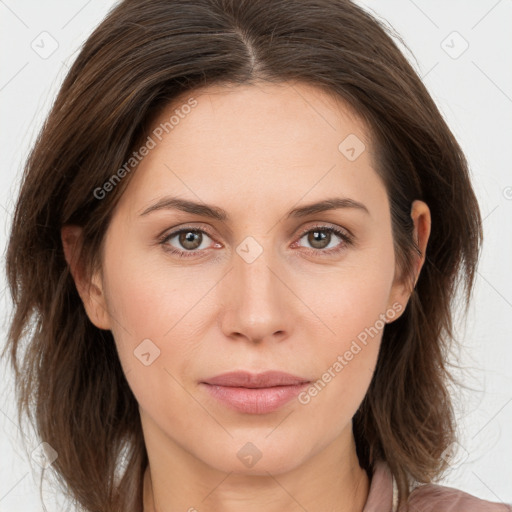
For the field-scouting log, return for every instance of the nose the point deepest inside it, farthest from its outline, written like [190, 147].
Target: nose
[257, 304]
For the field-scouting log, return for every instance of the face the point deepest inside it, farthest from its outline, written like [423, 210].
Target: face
[265, 284]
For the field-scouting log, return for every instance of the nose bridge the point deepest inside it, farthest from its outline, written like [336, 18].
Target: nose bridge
[256, 293]
[255, 268]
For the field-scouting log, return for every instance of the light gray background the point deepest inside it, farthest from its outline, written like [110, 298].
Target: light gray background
[473, 89]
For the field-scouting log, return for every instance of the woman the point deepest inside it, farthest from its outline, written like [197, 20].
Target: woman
[235, 232]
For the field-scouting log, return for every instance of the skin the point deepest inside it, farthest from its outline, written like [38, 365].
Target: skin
[257, 152]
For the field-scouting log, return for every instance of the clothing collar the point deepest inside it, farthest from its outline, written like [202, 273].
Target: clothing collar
[383, 494]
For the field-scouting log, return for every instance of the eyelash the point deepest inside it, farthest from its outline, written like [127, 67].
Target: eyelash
[345, 237]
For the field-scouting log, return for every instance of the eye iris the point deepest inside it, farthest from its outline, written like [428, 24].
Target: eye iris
[317, 239]
[189, 239]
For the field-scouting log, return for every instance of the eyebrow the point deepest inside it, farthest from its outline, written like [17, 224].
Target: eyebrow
[205, 210]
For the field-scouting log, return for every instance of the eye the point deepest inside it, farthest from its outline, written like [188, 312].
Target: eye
[189, 242]
[322, 240]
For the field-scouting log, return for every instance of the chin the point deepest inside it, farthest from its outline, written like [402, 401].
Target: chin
[257, 455]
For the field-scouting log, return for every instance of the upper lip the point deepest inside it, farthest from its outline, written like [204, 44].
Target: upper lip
[255, 380]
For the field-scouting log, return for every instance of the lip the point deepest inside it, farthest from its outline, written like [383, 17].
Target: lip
[251, 393]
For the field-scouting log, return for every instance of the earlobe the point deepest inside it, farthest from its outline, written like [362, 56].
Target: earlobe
[90, 290]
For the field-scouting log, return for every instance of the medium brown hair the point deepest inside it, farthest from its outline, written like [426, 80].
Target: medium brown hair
[145, 53]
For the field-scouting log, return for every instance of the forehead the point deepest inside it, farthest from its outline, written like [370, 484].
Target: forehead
[255, 142]
[264, 106]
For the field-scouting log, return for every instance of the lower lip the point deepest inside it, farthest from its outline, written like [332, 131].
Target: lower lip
[255, 400]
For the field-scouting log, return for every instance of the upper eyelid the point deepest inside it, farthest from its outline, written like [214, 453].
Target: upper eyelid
[326, 226]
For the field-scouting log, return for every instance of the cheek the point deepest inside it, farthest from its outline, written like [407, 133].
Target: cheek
[158, 320]
[150, 299]
[353, 297]
[346, 361]
[152, 332]
[354, 303]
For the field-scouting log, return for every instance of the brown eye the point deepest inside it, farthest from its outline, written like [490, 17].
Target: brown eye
[190, 240]
[319, 239]
[186, 242]
[322, 240]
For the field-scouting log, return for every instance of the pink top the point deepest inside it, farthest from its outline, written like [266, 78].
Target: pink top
[383, 497]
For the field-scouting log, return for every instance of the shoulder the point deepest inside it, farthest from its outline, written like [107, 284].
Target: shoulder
[438, 498]
[423, 498]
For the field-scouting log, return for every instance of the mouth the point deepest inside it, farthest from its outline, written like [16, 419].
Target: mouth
[250, 393]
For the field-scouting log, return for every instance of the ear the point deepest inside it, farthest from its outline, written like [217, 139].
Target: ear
[402, 290]
[90, 291]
